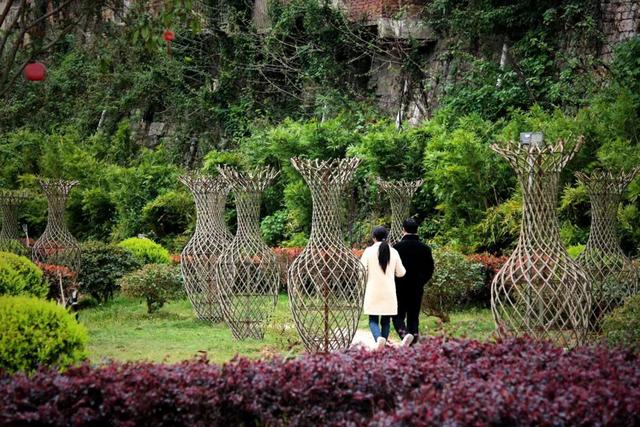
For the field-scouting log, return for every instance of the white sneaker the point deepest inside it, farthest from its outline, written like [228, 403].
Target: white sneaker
[407, 340]
[380, 343]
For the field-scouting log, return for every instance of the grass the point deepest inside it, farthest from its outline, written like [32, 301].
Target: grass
[122, 330]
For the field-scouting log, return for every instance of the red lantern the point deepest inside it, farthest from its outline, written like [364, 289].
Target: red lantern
[168, 36]
[35, 72]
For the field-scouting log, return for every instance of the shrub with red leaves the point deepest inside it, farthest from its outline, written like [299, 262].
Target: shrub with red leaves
[285, 257]
[491, 264]
[437, 382]
[56, 276]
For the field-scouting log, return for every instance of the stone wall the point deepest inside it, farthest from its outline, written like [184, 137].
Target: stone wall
[620, 21]
[372, 10]
[413, 101]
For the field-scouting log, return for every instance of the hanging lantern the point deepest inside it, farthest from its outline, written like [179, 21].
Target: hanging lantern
[168, 36]
[35, 72]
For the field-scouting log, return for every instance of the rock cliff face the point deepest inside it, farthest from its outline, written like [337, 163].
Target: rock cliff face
[397, 22]
[620, 21]
[411, 100]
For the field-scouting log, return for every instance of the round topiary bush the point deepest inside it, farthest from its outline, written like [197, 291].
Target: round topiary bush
[156, 283]
[455, 281]
[168, 214]
[146, 251]
[19, 276]
[102, 265]
[35, 332]
[621, 327]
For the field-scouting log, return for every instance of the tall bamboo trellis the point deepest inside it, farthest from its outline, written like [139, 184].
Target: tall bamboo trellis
[614, 276]
[541, 291]
[210, 238]
[326, 281]
[10, 201]
[400, 193]
[248, 274]
[57, 245]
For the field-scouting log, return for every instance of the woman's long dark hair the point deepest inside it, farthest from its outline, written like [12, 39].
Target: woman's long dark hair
[384, 253]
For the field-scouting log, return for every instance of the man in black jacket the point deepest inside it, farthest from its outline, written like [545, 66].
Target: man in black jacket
[418, 261]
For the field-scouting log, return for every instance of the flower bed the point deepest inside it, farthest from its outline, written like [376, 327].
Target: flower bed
[458, 382]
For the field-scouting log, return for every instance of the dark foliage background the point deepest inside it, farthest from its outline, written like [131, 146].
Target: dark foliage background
[230, 93]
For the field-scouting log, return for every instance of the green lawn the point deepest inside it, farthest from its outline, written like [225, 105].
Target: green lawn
[122, 330]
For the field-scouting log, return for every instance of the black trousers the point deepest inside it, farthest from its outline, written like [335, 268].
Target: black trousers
[406, 321]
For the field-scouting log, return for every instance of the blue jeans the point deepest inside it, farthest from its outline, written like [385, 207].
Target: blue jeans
[375, 322]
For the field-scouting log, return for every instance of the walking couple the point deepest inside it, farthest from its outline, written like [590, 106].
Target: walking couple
[395, 283]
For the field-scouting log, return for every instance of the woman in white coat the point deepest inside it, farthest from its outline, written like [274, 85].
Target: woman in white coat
[383, 264]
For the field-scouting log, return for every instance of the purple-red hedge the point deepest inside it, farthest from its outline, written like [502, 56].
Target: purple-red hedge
[458, 382]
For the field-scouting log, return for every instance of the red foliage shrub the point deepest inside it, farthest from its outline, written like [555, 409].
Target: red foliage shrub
[54, 274]
[437, 382]
[285, 257]
[175, 258]
[491, 264]
[28, 243]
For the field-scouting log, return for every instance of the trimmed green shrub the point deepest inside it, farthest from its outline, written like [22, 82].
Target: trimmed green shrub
[575, 251]
[146, 251]
[156, 283]
[622, 326]
[19, 276]
[169, 214]
[273, 227]
[14, 247]
[176, 244]
[102, 265]
[455, 280]
[35, 332]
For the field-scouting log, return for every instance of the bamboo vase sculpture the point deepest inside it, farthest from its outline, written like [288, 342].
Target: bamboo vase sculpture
[400, 194]
[248, 275]
[211, 237]
[614, 276]
[326, 281]
[10, 201]
[57, 245]
[541, 291]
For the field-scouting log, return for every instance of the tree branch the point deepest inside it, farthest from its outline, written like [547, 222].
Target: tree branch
[49, 14]
[9, 28]
[5, 12]
[5, 81]
[4, 88]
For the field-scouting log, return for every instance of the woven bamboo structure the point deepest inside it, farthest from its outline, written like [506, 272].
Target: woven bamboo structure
[57, 245]
[326, 281]
[10, 201]
[541, 291]
[248, 274]
[210, 238]
[614, 276]
[400, 194]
